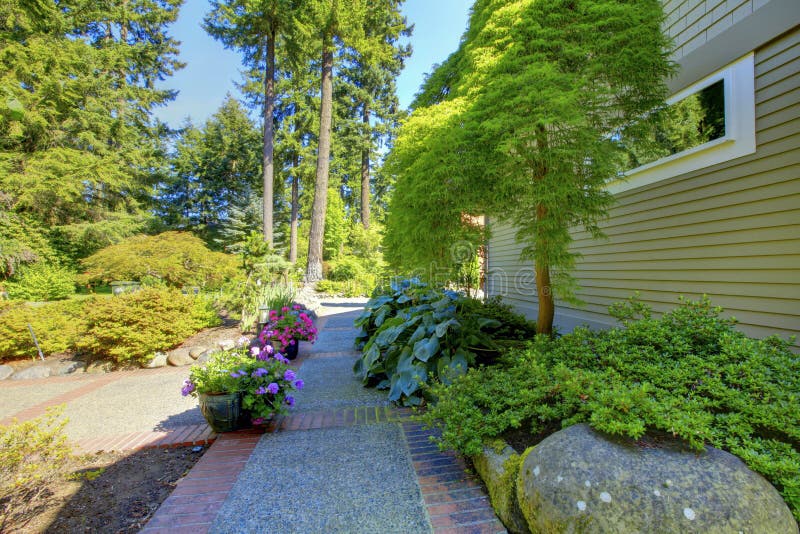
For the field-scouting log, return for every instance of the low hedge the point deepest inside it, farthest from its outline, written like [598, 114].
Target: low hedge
[129, 328]
[124, 329]
[689, 373]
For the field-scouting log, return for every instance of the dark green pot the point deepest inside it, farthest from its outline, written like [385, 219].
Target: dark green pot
[223, 411]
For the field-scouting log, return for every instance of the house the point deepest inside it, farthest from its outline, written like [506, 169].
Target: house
[721, 218]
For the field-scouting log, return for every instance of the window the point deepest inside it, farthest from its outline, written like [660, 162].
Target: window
[710, 122]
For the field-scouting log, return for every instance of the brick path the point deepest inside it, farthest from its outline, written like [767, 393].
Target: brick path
[454, 499]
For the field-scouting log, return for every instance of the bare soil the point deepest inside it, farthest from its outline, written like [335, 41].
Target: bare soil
[110, 492]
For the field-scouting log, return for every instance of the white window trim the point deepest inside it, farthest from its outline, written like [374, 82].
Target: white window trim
[740, 129]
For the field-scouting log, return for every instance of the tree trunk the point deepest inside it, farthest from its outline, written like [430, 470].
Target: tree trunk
[295, 210]
[544, 321]
[365, 190]
[314, 268]
[269, 138]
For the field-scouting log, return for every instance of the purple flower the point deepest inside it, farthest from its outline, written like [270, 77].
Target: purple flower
[272, 388]
[299, 384]
[239, 374]
[258, 420]
[187, 388]
[280, 358]
[289, 400]
[259, 372]
[260, 391]
[289, 375]
[255, 351]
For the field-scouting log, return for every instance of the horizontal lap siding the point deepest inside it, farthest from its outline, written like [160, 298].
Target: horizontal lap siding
[731, 231]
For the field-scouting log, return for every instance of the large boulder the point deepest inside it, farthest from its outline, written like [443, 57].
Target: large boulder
[498, 467]
[37, 371]
[578, 480]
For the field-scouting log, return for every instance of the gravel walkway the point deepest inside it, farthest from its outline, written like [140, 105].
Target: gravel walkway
[354, 479]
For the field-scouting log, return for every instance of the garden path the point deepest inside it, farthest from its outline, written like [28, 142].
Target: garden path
[344, 460]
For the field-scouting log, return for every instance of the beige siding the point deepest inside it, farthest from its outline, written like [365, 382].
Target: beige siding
[692, 23]
[731, 231]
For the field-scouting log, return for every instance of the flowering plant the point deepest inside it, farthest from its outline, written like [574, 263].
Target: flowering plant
[261, 375]
[286, 326]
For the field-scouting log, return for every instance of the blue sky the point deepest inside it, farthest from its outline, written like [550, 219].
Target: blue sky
[211, 71]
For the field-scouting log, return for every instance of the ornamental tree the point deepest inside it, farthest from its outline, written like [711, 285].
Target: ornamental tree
[520, 124]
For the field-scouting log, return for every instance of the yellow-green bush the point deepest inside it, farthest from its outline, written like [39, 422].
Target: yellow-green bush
[177, 258]
[57, 326]
[41, 282]
[129, 328]
[33, 455]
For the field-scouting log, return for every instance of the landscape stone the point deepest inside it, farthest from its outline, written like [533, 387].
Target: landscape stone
[195, 352]
[179, 358]
[99, 367]
[65, 368]
[159, 360]
[37, 371]
[6, 371]
[579, 480]
[227, 344]
[499, 469]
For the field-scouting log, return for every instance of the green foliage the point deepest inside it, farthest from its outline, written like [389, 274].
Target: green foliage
[258, 258]
[178, 258]
[33, 455]
[520, 125]
[272, 296]
[347, 268]
[363, 286]
[41, 282]
[413, 334]
[57, 326]
[22, 241]
[129, 328]
[688, 373]
[336, 227]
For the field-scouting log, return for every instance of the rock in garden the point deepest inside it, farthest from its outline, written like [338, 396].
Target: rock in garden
[179, 357]
[195, 352]
[579, 480]
[227, 344]
[498, 469]
[159, 360]
[6, 371]
[99, 367]
[64, 368]
[37, 371]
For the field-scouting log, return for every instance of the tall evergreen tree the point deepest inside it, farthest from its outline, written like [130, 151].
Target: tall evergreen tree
[252, 27]
[331, 21]
[79, 145]
[521, 126]
[369, 71]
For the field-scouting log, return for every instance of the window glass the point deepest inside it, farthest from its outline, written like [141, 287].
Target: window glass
[688, 123]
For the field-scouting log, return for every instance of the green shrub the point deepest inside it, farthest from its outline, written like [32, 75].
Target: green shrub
[178, 258]
[345, 268]
[57, 326]
[688, 373]
[130, 327]
[415, 334]
[33, 455]
[361, 287]
[41, 282]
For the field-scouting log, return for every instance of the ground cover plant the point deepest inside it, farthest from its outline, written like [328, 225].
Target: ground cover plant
[689, 373]
[412, 334]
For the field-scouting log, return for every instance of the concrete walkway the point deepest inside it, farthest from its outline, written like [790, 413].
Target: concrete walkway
[344, 460]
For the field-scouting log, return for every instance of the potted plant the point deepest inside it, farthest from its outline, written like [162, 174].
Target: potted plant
[240, 386]
[286, 327]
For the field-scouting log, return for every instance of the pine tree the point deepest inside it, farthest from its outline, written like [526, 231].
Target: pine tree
[253, 27]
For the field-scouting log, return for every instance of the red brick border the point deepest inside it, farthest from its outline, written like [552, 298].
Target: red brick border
[198, 497]
[182, 436]
[455, 499]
